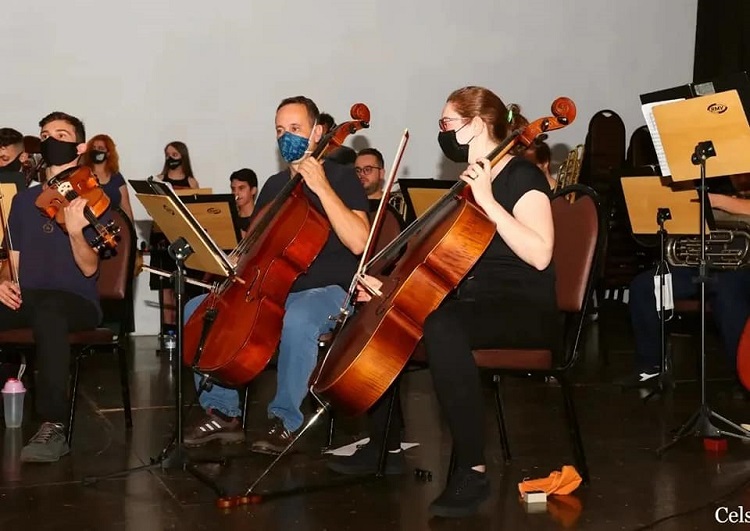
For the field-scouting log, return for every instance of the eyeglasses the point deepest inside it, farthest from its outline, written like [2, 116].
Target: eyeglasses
[443, 122]
[366, 170]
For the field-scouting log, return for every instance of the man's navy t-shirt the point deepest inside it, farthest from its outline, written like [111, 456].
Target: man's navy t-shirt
[335, 265]
[46, 257]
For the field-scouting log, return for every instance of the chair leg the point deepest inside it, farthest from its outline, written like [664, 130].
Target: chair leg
[574, 430]
[387, 428]
[500, 414]
[125, 386]
[73, 397]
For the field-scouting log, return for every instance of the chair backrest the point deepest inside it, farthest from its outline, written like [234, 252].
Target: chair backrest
[577, 240]
[116, 273]
[604, 149]
[641, 151]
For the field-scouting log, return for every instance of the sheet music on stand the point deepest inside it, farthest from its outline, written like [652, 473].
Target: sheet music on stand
[648, 113]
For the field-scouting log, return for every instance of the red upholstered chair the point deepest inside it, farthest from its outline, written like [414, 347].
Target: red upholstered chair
[115, 284]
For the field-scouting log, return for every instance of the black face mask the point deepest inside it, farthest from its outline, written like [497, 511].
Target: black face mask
[98, 156]
[451, 148]
[14, 165]
[58, 153]
[173, 163]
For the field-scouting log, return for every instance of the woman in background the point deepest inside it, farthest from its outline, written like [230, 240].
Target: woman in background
[178, 172]
[102, 157]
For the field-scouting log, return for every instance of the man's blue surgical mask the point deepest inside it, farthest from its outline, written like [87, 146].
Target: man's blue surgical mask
[293, 147]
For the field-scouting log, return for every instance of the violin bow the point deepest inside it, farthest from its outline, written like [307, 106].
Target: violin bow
[378, 222]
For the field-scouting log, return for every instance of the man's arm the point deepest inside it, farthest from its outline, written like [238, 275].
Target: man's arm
[351, 226]
[732, 205]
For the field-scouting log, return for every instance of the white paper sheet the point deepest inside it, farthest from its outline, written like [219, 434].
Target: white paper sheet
[648, 114]
[349, 449]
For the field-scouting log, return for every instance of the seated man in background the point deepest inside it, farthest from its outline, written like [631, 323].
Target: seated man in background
[244, 184]
[728, 292]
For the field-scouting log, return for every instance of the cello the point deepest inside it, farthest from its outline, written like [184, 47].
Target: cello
[235, 330]
[369, 352]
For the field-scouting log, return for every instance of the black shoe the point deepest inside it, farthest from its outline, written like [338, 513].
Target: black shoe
[365, 461]
[463, 495]
[215, 426]
[277, 438]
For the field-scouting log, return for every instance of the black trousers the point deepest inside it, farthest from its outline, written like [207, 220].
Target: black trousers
[451, 332]
[51, 315]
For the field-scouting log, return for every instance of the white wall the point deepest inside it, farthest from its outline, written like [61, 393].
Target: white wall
[212, 73]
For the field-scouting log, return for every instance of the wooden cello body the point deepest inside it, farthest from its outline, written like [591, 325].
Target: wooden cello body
[236, 329]
[373, 346]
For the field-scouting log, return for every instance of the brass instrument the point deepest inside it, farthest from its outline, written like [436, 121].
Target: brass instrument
[727, 246]
[570, 170]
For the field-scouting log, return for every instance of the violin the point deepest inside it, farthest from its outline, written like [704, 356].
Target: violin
[370, 350]
[80, 182]
[235, 330]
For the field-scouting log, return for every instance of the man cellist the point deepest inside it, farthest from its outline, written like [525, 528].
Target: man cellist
[337, 193]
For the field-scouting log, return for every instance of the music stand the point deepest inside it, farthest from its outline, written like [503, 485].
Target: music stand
[421, 194]
[218, 215]
[692, 131]
[189, 241]
[651, 206]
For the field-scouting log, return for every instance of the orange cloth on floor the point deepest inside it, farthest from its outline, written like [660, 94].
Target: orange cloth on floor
[563, 482]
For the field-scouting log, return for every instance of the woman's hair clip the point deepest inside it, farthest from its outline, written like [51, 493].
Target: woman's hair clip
[512, 110]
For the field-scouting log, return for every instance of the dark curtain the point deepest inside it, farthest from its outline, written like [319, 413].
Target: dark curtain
[722, 39]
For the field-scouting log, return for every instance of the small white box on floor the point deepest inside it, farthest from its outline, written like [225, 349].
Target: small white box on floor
[534, 497]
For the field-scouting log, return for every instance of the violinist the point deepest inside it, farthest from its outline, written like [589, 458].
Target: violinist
[244, 184]
[507, 301]
[12, 158]
[51, 284]
[102, 157]
[540, 154]
[315, 296]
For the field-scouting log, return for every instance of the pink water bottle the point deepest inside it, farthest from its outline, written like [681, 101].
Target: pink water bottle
[13, 393]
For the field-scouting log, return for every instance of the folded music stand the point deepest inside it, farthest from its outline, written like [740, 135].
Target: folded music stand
[714, 126]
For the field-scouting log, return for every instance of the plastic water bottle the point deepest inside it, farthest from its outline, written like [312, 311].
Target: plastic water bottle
[13, 394]
[170, 344]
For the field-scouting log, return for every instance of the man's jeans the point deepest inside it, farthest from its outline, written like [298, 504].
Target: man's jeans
[306, 317]
[728, 292]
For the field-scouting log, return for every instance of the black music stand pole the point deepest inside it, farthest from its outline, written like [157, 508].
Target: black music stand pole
[664, 381]
[699, 423]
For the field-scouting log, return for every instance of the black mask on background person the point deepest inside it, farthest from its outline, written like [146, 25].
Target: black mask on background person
[451, 148]
[14, 165]
[98, 156]
[173, 163]
[57, 153]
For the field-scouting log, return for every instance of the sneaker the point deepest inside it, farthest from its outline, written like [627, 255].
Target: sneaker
[48, 445]
[365, 461]
[215, 427]
[277, 438]
[463, 495]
